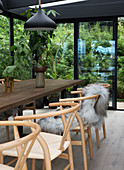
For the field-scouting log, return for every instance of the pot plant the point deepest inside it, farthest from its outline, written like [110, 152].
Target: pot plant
[38, 43]
[8, 74]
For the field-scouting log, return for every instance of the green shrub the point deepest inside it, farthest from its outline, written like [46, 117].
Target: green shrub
[120, 90]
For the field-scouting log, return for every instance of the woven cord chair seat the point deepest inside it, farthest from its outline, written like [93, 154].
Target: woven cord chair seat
[53, 142]
[5, 167]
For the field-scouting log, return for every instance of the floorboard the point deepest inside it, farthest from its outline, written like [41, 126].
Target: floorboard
[110, 155]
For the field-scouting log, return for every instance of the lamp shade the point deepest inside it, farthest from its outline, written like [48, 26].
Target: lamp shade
[40, 21]
[1, 6]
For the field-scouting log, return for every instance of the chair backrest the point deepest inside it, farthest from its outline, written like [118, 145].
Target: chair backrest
[80, 99]
[87, 107]
[101, 84]
[72, 113]
[107, 86]
[102, 104]
[68, 120]
[23, 145]
[103, 91]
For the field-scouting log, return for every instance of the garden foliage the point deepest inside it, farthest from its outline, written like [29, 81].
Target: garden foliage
[59, 52]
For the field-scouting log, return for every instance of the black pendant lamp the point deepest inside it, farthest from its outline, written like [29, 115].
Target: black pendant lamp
[40, 21]
[1, 6]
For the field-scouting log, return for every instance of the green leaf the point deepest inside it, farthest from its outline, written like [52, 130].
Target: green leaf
[28, 15]
[24, 13]
[12, 48]
[53, 13]
[9, 71]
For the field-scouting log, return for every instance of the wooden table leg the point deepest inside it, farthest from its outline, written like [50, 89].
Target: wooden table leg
[63, 94]
[20, 128]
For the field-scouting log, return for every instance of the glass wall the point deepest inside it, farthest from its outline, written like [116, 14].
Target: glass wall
[5, 58]
[20, 48]
[120, 65]
[96, 50]
[22, 54]
[61, 53]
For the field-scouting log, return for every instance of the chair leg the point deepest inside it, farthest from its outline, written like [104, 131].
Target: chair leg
[7, 132]
[33, 164]
[97, 138]
[43, 165]
[84, 152]
[70, 157]
[90, 143]
[1, 158]
[34, 109]
[83, 143]
[104, 130]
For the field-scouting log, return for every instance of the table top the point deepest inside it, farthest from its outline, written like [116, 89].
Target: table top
[25, 91]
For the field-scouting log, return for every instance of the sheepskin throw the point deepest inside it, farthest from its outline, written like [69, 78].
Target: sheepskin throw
[102, 104]
[8, 113]
[94, 116]
[88, 113]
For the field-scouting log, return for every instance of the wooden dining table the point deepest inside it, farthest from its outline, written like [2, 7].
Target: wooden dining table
[25, 91]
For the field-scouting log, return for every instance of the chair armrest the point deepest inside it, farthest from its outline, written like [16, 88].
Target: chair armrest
[76, 92]
[16, 80]
[61, 104]
[79, 89]
[51, 114]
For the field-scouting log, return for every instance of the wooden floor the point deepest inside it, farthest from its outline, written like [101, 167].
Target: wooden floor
[110, 156]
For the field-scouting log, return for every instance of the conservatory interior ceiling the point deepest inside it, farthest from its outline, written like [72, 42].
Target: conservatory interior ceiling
[77, 9]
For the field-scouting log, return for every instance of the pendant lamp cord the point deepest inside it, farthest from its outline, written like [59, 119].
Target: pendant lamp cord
[39, 3]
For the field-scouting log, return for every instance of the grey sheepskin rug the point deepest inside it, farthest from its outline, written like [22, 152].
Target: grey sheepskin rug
[8, 113]
[94, 116]
[54, 125]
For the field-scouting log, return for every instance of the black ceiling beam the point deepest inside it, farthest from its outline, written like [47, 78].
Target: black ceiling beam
[86, 11]
[5, 2]
[91, 19]
[9, 14]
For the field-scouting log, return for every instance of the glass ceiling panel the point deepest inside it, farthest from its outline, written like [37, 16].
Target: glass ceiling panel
[64, 2]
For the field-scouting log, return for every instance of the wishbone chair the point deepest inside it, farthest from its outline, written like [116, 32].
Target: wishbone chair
[21, 146]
